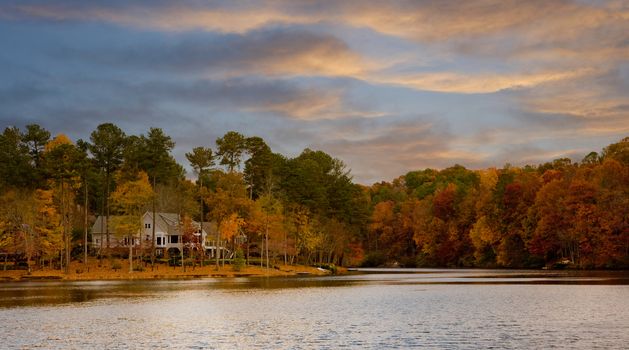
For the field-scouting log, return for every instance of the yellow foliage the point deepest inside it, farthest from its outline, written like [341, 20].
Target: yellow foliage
[126, 225]
[488, 179]
[130, 197]
[59, 140]
[482, 234]
[47, 224]
[382, 216]
[230, 226]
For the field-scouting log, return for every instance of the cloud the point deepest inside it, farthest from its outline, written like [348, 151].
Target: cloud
[21, 93]
[593, 105]
[272, 52]
[386, 86]
[430, 21]
[389, 146]
[541, 45]
[487, 82]
[288, 98]
[223, 17]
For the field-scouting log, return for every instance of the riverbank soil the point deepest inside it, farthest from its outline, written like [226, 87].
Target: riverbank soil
[118, 269]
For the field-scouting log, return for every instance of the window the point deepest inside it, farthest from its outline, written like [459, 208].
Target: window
[159, 240]
[174, 239]
[147, 225]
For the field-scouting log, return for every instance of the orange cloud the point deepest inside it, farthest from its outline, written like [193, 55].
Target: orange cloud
[477, 82]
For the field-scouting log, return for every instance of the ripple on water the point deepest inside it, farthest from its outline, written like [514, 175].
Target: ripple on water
[365, 311]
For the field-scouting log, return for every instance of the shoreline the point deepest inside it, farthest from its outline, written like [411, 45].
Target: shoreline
[93, 272]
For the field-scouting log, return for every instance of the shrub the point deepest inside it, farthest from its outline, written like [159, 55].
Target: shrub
[408, 261]
[174, 261]
[329, 267]
[116, 265]
[239, 260]
[374, 260]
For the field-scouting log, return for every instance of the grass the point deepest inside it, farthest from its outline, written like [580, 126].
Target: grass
[92, 271]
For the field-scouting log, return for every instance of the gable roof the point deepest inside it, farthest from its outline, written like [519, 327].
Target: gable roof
[164, 222]
[96, 228]
[210, 227]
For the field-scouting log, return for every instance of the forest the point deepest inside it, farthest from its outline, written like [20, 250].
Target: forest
[307, 209]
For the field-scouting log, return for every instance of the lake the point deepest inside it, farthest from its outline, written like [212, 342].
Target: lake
[369, 309]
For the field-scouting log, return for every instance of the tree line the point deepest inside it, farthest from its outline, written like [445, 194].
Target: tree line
[307, 209]
[558, 213]
[294, 210]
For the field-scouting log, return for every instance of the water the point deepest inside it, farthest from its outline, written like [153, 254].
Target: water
[427, 308]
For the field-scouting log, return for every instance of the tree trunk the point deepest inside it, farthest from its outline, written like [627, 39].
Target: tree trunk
[28, 249]
[223, 253]
[202, 218]
[107, 210]
[102, 228]
[218, 237]
[130, 253]
[85, 228]
[153, 229]
[266, 245]
[64, 225]
[262, 252]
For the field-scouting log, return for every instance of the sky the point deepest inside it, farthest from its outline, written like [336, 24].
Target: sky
[387, 87]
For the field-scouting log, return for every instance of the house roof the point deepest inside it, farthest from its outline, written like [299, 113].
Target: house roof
[102, 221]
[164, 222]
[210, 227]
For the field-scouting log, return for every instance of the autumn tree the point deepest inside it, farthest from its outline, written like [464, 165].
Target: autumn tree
[263, 169]
[228, 197]
[267, 214]
[151, 153]
[201, 159]
[107, 147]
[618, 151]
[36, 138]
[62, 157]
[130, 199]
[230, 149]
[16, 170]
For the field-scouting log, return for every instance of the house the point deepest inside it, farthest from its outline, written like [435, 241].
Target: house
[168, 234]
[99, 236]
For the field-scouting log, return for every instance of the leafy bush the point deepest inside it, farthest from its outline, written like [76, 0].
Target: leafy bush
[408, 261]
[174, 261]
[374, 260]
[239, 260]
[116, 265]
[330, 267]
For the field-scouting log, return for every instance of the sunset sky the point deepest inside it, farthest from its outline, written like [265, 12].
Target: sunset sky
[387, 87]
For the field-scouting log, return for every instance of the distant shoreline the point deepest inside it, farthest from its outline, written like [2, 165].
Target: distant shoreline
[93, 272]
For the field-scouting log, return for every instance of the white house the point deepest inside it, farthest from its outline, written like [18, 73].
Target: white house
[168, 234]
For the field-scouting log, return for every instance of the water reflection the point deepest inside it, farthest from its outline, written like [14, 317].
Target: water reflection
[367, 309]
[18, 294]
